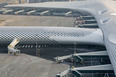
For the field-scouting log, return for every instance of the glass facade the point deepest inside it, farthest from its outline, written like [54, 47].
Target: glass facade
[37, 1]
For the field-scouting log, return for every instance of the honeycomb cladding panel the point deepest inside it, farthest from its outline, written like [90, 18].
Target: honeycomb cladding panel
[111, 47]
[39, 35]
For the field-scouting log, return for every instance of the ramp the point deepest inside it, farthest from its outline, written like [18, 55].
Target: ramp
[79, 55]
[28, 13]
[94, 68]
[19, 12]
[5, 12]
[11, 47]
[87, 69]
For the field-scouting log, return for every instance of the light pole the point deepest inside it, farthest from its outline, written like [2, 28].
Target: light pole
[36, 45]
[75, 47]
[27, 1]
[40, 1]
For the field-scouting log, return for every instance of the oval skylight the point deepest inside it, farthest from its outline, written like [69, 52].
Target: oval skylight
[112, 38]
[105, 20]
[103, 11]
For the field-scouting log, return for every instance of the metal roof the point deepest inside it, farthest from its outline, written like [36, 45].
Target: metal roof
[97, 67]
[91, 6]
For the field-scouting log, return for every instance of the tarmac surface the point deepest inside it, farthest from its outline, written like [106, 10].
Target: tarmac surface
[3, 1]
[25, 65]
[20, 20]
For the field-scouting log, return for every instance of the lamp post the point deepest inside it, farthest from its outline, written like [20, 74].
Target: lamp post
[75, 47]
[36, 45]
[27, 1]
[40, 1]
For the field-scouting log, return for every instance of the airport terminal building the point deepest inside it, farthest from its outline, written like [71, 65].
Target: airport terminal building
[92, 24]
